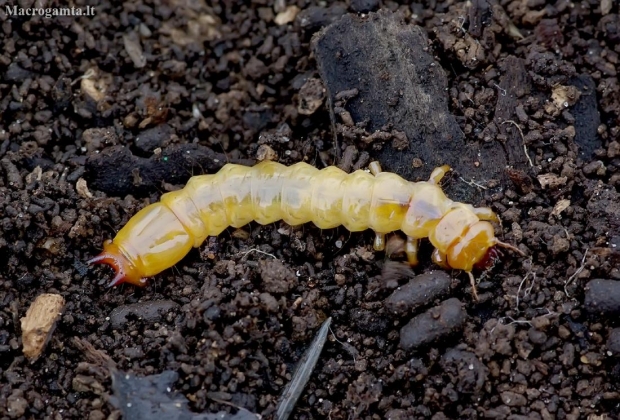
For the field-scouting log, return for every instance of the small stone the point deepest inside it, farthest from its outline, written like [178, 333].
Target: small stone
[96, 415]
[559, 245]
[613, 150]
[512, 399]
[16, 404]
[602, 297]
[594, 168]
[563, 332]
[613, 342]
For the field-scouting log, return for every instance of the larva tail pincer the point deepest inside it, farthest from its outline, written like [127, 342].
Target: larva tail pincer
[161, 234]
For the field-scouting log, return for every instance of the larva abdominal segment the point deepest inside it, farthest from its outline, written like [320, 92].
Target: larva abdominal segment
[161, 234]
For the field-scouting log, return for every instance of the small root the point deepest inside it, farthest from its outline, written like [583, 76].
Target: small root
[576, 273]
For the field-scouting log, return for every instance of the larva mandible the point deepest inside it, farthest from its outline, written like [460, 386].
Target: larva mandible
[161, 234]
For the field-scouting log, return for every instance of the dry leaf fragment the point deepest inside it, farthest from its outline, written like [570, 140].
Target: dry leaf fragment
[82, 188]
[93, 84]
[92, 89]
[265, 152]
[559, 207]
[564, 96]
[39, 323]
[311, 96]
[551, 180]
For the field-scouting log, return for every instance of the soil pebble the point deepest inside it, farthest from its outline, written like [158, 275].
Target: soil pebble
[148, 311]
[117, 171]
[364, 6]
[16, 404]
[613, 341]
[418, 292]
[152, 138]
[432, 325]
[604, 211]
[13, 177]
[151, 398]
[316, 17]
[276, 276]
[369, 322]
[390, 66]
[515, 87]
[469, 373]
[587, 117]
[602, 297]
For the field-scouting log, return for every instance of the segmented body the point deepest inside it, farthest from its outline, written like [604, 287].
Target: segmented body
[161, 234]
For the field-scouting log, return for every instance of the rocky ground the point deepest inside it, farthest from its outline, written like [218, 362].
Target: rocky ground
[100, 115]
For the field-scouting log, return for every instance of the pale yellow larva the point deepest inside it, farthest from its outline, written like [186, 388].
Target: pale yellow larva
[161, 234]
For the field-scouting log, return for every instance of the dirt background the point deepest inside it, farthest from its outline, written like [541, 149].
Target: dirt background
[100, 115]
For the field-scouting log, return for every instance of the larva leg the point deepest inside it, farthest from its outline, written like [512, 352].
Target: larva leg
[440, 259]
[485, 213]
[411, 249]
[472, 281]
[379, 244]
[510, 247]
[375, 168]
[438, 174]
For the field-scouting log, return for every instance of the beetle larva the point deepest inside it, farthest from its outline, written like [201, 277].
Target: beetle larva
[161, 234]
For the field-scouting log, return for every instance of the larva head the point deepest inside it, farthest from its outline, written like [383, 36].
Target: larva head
[473, 247]
[152, 241]
[492, 256]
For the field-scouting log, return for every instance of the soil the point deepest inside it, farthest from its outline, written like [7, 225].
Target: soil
[99, 115]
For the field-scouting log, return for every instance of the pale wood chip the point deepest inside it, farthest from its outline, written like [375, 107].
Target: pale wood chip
[39, 323]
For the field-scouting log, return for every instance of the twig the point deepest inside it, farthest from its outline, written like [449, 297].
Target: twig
[522, 140]
[576, 273]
